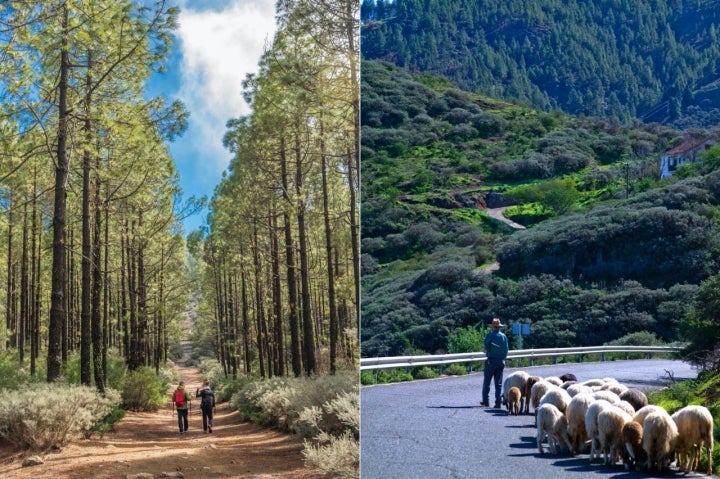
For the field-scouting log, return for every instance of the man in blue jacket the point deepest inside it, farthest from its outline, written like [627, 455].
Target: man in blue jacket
[496, 350]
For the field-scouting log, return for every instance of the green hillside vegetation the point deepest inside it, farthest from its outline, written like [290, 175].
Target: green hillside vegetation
[593, 266]
[655, 60]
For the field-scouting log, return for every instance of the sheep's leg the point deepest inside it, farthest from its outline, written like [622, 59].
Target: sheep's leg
[709, 447]
[540, 435]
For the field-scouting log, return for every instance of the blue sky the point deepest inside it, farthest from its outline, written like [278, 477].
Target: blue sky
[216, 44]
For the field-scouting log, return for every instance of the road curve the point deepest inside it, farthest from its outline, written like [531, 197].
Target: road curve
[436, 429]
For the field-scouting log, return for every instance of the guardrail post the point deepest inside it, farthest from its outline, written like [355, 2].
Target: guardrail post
[602, 357]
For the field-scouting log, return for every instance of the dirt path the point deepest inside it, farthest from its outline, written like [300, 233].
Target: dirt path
[151, 443]
[497, 213]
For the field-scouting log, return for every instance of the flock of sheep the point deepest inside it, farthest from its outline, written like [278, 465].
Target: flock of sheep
[615, 421]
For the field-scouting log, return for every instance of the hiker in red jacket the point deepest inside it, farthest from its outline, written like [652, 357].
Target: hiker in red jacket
[181, 400]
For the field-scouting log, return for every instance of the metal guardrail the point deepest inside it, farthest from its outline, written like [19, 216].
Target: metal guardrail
[441, 359]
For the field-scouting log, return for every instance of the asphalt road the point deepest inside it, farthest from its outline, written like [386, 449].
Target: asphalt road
[436, 429]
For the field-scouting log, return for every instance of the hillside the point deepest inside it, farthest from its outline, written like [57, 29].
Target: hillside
[648, 59]
[610, 251]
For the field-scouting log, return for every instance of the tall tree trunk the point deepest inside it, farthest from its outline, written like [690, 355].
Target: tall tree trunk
[99, 348]
[259, 308]
[295, 352]
[24, 285]
[133, 353]
[36, 274]
[107, 336]
[86, 280]
[307, 320]
[10, 287]
[142, 300]
[277, 299]
[351, 30]
[245, 324]
[57, 304]
[329, 258]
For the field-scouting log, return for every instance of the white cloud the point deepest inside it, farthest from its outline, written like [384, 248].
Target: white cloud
[218, 48]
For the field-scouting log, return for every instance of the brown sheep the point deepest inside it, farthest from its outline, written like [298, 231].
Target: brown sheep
[513, 401]
[634, 453]
[528, 391]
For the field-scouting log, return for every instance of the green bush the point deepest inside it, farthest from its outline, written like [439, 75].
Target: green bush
[425, 372]
[13, 376]
[41, 416]
[144, 390]
[466, 340]
[367, 377]
[393, 376]
[456, 369]
[108, 422]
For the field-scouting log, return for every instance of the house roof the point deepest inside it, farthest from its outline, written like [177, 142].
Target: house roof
[688, 145]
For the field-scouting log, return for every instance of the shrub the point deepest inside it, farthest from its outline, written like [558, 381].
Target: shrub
[11, 376]
[456, 369]
[367, 377]
[41, 416]
[107, 423]
[466, 340]
[425, 372]
[279, 401]
[339, 457]
[144, 390]
[393, 376]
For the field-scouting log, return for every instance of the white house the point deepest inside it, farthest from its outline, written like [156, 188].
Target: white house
[686, 152]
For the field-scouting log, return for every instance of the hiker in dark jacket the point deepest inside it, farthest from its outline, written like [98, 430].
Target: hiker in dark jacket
[181, 400]
[207, 404]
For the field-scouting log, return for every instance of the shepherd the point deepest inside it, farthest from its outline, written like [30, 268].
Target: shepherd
[496, 350]
[207, 404]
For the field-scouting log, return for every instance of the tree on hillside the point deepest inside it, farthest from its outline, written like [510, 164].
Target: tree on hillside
[701, 325]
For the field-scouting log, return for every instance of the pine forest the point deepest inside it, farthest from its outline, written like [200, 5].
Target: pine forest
[101, 285]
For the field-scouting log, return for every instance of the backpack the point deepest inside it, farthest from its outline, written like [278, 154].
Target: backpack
[208, 398]
[179, 398]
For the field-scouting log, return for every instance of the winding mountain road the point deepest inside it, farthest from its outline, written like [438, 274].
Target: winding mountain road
[436, 429]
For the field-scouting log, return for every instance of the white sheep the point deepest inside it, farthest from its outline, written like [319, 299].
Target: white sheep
[551, 423]
[575, 389]
[516, 379]
[616, 388]
[643, 412]
[610, 424]
[591, 425]
[632, 438]
[554, 380]
[608, 396]
[659, 438]
[593, 383]
[626, 406]
[556, 396]
[695, 428]
[537, 391]
[575, 412]
[513, 401]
